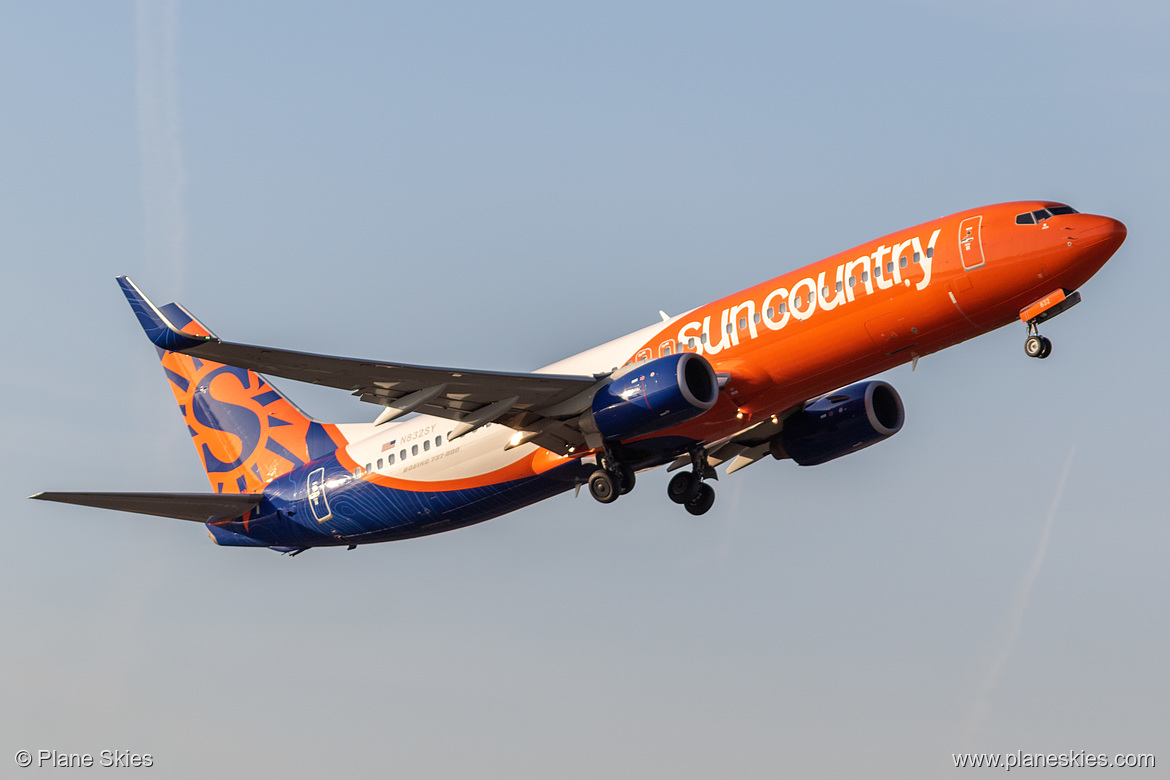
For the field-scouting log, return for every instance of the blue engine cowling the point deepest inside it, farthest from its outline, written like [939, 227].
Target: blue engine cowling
[840, 423]
[655, 395]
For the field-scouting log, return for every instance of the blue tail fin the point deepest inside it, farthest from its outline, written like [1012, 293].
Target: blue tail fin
[245, 431]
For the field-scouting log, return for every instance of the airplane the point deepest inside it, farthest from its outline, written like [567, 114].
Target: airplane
[779, 369]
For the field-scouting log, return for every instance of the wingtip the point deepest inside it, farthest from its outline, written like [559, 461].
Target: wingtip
[158, 328]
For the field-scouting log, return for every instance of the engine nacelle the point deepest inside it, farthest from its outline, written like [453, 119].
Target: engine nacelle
[655, 395]
[840, 423]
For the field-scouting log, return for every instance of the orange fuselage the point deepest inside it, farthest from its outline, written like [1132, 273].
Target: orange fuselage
[939, 283]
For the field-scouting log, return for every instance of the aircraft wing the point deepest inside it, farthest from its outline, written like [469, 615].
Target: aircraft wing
[744, 448]
[537, 403]
[199, 507]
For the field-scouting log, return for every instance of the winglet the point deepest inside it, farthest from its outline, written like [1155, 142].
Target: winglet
[161, 332]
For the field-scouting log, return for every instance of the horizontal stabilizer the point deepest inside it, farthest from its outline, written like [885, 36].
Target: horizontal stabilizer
[199, 507]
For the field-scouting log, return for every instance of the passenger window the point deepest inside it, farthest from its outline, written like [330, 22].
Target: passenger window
[380, 463]
[691, 343]
[890, 267]
[703, 338]
[402, 454]
[427, 445]
[902, 261]
[877, 272]
[743, 323]
[390, 459]
[438, 440]
[852, 281]
[917, 257]
[756, 318]
[367, 467]
[839, 286]
[864, 276]
[783, 307]
[357, 472]
[930, 251]
[414, 450]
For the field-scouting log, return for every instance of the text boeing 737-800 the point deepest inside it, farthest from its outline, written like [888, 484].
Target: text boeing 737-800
[750, 375]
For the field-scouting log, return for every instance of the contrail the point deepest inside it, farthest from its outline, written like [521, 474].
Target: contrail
[1018, 607]
[160, 153]
[724, 550]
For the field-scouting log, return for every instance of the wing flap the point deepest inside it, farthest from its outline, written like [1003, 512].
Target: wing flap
[197, 507]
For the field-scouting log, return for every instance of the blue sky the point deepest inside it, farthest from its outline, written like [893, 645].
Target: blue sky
[499, 187]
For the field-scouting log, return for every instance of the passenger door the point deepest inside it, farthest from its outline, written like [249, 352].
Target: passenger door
[318, 502]
[971, 243]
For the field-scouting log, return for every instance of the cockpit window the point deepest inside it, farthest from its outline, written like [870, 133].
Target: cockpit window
[1035, 217]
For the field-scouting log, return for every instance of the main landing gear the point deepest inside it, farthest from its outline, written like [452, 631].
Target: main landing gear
[1036, 345]
[689, 489]
[611, 480]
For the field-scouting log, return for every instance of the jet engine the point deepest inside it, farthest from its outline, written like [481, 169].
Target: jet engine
[654, 395]
[842, 422]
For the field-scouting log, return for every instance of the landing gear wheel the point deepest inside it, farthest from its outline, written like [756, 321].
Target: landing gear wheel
[704, 499]
[1034, 346]
[1045, 349]
[603, 487]
[683, 487]
[626, 478]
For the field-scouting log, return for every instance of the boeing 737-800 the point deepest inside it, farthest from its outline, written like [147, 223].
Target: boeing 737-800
[777, 369]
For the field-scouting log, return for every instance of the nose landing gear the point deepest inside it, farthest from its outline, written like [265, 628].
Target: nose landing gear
[1035, 345]
[1046, 308]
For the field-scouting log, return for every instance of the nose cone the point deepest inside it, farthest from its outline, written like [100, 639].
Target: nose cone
[1100, 232]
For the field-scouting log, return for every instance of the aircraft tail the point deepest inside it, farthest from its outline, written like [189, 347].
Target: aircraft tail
[245, 431]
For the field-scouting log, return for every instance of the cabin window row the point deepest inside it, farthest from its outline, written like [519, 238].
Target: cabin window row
[401, 455]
